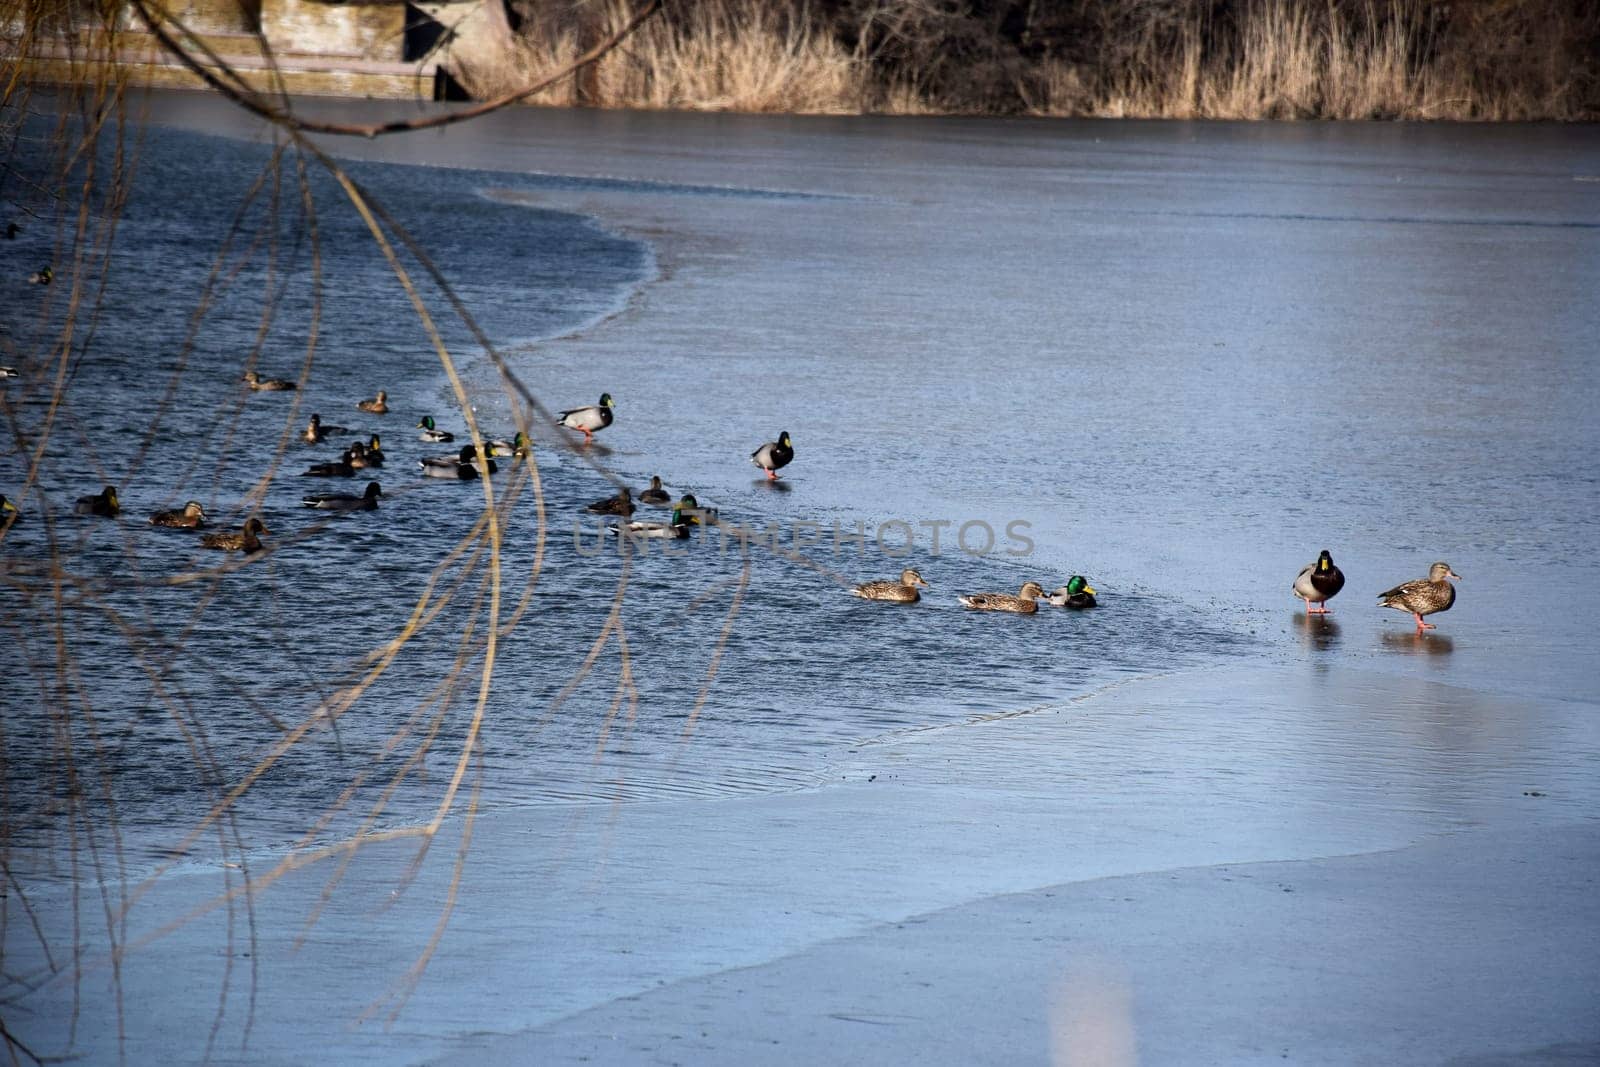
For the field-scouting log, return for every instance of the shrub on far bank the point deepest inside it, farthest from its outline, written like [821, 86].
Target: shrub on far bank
[1234, 59]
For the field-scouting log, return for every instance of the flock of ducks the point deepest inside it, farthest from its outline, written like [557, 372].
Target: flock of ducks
[1316, 584]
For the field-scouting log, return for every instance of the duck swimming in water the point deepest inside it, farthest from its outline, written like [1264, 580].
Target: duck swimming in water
[317, 432]
[1425, 596]
[655, 494]
[378, 405]
[367, 501]
[190, 517]
[432, 433]
[590, 419]
[340, 468]
[44, 276]
[517, 446]
[621, 504]
[247, 540]
[268, 385]
[104, 504]
[1319, 582]
[677, 528]
[1077, 594]
[1024, 603]
[903, 591]
[452, 466]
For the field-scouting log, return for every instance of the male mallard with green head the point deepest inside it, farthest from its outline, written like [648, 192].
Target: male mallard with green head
[190, 517]
[104, 504]
[774, 454]
[247, 540]
[1077, 594]
[1318, 583]
[677, 528]
[457, 466]
[43, 276]
[1024, 603]
[378, 405]
[903, 591]
[517, 446]
[267, 385]
[9, 514]
[367, 501]
[590, 419]
[432, 433]
[1425, 596]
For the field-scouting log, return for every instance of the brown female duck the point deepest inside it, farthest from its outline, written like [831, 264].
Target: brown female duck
[1024, 603]
[1425, 596]
[903, 591]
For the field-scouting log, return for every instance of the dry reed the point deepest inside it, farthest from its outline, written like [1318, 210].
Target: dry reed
[1254, 59]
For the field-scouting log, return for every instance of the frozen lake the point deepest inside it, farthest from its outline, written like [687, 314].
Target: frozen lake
[1176, 358]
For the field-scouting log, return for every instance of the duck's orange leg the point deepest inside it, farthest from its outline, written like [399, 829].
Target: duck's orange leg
[772, 475]
[1421, 626]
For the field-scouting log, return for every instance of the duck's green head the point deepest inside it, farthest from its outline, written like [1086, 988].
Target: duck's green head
[1079, 584]
[1325, 562]
[467, 454]
[519, 441]
[111, 498]
[606, 401]
[373, 445]
[688, 503]
[7, 507]
[783, 439]
[426, 423]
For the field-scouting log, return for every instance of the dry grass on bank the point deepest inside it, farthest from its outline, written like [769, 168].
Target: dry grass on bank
[1337, 59]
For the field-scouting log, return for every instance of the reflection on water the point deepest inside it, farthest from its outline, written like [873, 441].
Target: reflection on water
[1430, 643]
[1318, 631]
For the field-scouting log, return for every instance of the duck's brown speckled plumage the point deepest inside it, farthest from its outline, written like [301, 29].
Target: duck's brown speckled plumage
[1024, 603]
[902, 591]
[1425, 596]
[189, 517]
[245, 540]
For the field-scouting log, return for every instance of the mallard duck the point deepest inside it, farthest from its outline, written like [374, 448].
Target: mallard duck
[359, 458]
[457, 466]
[374, 451]
[517, 446]
[676, 528]
[1319, 582]
[1022, 604]
[9, 513]
[367, 501]
[267, 385]
[903, 591]
[378, 405]
[432, 433]
[43, 276]
[588, 419]
[700, 514]
[1425, 596]
[340, 468]
[246, 540]
[104, 504]
[190, 517]
[655, 494]
[1077, 594]
[317, 431]
[621, 504]
[774, 454]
